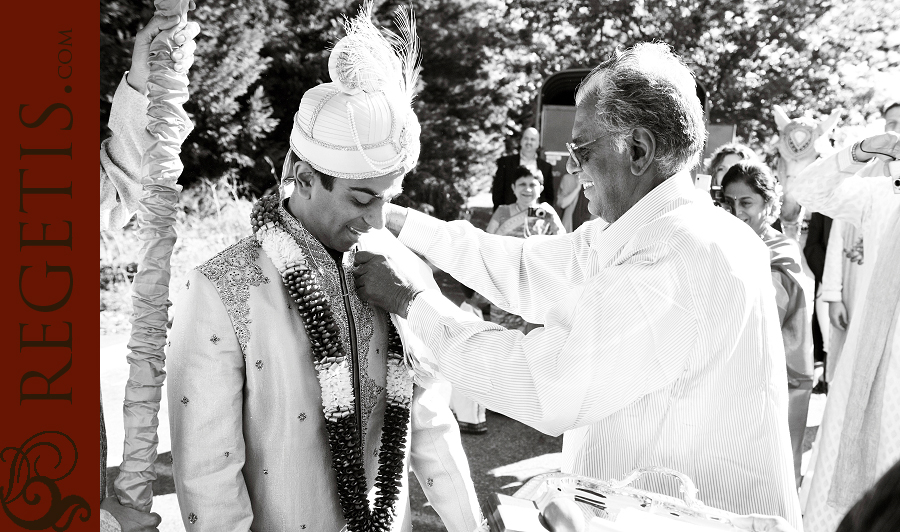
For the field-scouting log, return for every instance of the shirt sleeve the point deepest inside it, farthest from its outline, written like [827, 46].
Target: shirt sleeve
[205, 387]
[438, 460]
[120, 157]
[522, 276]
[631, 331]
[837, 186]
[832, 272]
[494, 222]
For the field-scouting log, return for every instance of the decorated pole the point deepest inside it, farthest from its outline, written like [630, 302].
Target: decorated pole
[160, 168]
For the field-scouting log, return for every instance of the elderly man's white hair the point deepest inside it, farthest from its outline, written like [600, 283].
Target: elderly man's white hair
[649, 86]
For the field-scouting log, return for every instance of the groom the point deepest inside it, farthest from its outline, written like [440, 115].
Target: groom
[290, 407]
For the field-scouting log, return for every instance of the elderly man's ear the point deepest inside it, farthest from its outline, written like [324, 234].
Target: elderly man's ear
[642, 147]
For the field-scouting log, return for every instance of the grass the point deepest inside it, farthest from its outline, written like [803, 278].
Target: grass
[210, 218]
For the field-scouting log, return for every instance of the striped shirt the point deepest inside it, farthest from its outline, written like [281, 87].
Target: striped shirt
[660, 344]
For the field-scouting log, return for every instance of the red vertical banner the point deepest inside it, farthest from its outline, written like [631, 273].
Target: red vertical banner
[49, 384]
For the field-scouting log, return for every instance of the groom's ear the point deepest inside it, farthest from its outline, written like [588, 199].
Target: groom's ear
[304, 176]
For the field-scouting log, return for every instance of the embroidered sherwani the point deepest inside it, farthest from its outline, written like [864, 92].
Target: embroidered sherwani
[250, 446]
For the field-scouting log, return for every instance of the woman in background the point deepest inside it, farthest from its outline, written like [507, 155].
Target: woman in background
[524, 218]
[726, 156]
[751, 190]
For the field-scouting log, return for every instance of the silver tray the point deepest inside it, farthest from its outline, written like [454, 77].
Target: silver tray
[606, 499]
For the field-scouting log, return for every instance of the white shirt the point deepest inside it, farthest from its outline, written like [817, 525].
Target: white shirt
[661, 344]
[856, 193]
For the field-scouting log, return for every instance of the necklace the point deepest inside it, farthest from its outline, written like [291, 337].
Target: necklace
[333, 371]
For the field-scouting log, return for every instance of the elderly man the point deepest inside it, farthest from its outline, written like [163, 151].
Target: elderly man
[290, 408]
[661, 343]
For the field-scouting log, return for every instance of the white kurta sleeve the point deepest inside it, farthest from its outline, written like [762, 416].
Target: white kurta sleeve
[439, 462]
[832, 272]
[523, 276]
[631, 331]
[205, 387]
[120, 157]
[836, 187]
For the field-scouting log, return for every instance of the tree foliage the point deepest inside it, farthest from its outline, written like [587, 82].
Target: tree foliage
[483, 63]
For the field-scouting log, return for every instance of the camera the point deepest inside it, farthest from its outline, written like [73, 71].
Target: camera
[894, 170]
[537, 212]
[719, 200]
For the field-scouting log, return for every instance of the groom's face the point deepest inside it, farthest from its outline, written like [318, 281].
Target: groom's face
[338, 217]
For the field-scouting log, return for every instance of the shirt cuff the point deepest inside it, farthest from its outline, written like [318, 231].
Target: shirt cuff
[846, 162]
[831, 296]
[129, 108]
[418, 231]
[426, 311]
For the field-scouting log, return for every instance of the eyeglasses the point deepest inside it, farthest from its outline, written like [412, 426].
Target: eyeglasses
[573, 148]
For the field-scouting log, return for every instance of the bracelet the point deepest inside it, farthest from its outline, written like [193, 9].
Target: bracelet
[857, 145]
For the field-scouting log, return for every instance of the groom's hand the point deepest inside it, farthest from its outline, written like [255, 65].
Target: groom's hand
[380, 282]
[131, 520]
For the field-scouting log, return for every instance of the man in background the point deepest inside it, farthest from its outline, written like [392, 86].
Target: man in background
[527, 156]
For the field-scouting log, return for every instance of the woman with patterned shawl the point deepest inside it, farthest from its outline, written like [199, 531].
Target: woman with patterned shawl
[752, 191]
[524, 218]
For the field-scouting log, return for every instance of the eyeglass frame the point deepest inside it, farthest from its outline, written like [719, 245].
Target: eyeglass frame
[572, 147]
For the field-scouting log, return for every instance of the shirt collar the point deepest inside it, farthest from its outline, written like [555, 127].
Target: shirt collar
[674, 191]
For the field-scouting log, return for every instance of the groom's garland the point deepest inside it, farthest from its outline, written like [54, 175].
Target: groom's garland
[333, 370]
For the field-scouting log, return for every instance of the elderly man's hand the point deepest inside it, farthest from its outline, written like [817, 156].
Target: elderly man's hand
[380, 282]
[885, 146]
[161, 27]
[762, 523]
[129, 519]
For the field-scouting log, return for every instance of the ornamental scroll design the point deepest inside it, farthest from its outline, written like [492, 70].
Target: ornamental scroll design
[31, 497]
[233, 271]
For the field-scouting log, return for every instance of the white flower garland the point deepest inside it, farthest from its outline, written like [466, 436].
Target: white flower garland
[335, 380]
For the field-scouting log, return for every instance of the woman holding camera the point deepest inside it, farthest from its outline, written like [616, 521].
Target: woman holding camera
[527, 216]
[524, 218]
